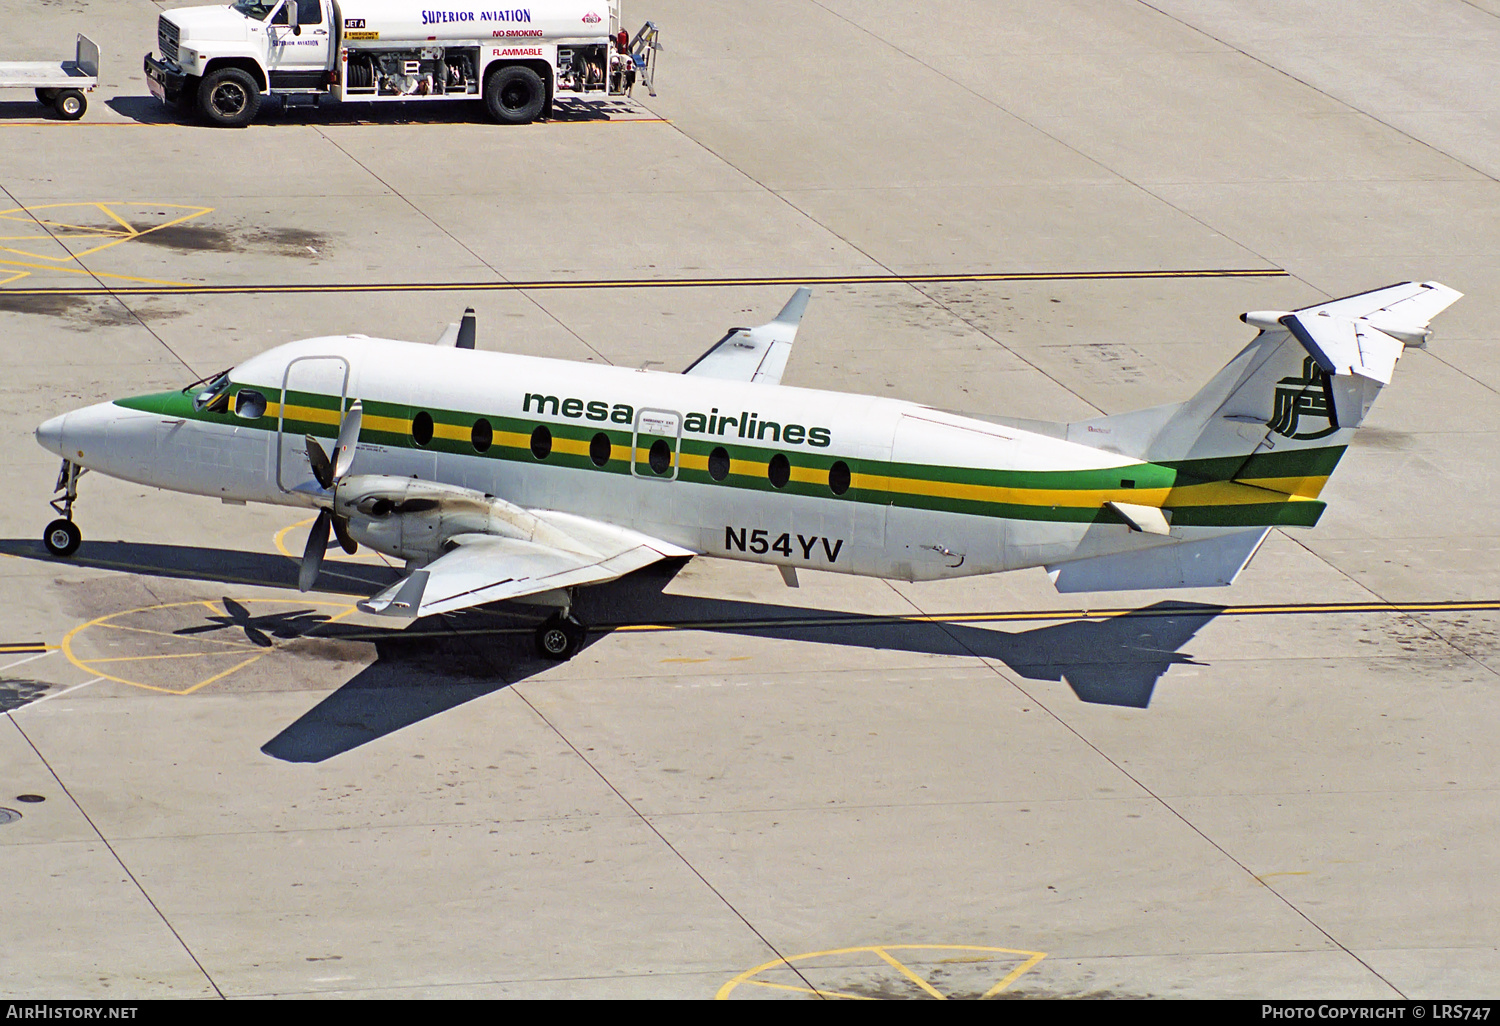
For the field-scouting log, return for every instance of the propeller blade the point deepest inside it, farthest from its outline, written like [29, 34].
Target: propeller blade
[312, 556]
[343, 451]
[341, 532]
[466, 330]
[321, 468]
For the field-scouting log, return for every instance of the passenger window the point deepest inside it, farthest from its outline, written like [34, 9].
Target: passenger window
[310, 12]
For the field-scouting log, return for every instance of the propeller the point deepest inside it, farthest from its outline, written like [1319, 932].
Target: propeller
[328, 474]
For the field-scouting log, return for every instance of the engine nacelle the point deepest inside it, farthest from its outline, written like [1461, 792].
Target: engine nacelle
[416, 520]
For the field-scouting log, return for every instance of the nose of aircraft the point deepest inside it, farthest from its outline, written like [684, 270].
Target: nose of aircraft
[49, 435]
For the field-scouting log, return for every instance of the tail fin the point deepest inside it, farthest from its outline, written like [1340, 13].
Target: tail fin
[1280, 414]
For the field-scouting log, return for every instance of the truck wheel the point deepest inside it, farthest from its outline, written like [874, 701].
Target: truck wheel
[229, 97]
[515, 95]
[70, 104]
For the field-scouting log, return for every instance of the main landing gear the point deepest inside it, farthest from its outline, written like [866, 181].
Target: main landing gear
[559, 637]
[62, 537]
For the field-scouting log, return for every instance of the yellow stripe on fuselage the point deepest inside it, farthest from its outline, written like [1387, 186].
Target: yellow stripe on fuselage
[1257, 491]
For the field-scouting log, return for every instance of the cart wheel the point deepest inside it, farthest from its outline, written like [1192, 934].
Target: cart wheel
[46, 96]
[70, 104]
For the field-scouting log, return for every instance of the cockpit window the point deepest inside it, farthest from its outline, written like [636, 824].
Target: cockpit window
[214, 396]
[249, 404]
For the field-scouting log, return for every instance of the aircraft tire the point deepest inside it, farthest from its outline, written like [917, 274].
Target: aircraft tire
[62, 538]
[229, 98]
[70, 104]
[515, 95]
[558, 639]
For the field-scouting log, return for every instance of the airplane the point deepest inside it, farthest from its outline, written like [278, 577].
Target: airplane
[504, 477]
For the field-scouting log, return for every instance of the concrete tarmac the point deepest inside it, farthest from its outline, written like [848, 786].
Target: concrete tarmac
[212, 785]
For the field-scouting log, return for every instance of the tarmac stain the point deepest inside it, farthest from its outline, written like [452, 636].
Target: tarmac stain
[16, 692]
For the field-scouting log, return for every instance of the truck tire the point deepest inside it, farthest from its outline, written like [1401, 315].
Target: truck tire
[70, 104]
[46, 96]
[229, 97]
[515, 95]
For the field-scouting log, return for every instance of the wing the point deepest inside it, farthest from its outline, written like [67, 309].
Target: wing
[488, 568]
[755, 354]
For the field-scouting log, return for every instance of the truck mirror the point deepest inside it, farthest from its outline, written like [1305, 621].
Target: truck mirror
[291, 17]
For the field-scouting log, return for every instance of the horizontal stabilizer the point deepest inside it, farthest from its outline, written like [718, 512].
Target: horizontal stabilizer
[1210, 563]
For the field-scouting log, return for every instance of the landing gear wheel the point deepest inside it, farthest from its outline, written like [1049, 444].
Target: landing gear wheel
[229, 97]
[515, 95]
[62, 537]
[558, 639]
[70, 104]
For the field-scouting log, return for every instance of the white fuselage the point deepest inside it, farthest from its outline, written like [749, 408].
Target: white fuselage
[921, 498]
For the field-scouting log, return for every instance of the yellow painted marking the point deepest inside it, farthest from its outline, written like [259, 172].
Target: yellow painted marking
[1031, 959]
[165, 655]
[127, 232]
[167, 286]
[809, 990]
[913, 977]
[123, 223]
[638, 283]
[10, 649]
[169, 634]
[206, 683]
[87, 666]
[280, 538]
[15, 277]
[1015, 974]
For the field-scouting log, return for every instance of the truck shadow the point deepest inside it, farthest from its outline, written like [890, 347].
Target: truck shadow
[148, 110]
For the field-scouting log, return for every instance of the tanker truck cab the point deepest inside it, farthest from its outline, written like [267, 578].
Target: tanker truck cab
[222, 61]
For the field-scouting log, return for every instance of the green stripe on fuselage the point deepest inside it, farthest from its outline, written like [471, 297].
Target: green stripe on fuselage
[1148, 476]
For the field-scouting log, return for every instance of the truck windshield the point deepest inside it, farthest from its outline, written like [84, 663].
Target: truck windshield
[254, 8]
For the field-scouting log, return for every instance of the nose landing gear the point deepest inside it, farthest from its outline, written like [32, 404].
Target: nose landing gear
[62, 537]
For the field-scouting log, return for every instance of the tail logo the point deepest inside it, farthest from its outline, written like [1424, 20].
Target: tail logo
[1308, 396]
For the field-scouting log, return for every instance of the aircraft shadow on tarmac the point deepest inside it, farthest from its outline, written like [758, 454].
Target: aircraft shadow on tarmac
[442, 662]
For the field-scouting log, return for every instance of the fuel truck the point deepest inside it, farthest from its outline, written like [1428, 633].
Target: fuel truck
[223, 61]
